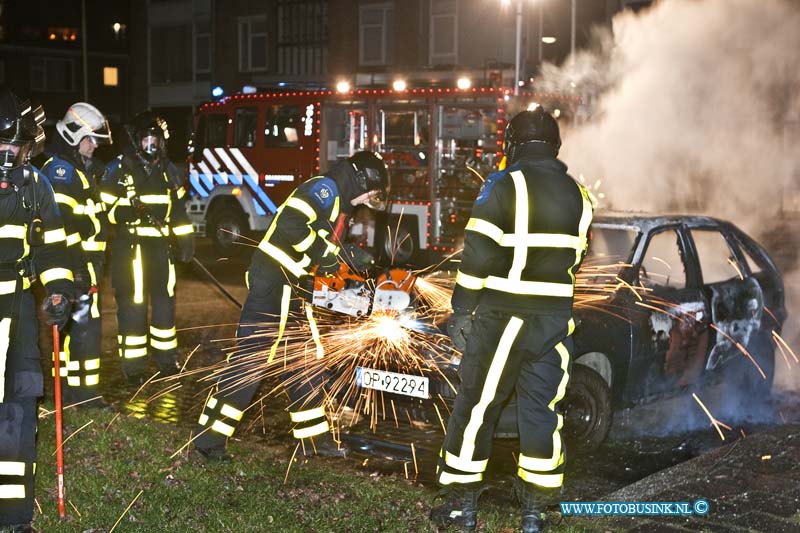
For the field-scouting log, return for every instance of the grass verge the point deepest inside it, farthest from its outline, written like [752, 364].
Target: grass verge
[119, 461]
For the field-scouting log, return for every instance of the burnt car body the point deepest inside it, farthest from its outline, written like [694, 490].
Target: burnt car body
[694, 294]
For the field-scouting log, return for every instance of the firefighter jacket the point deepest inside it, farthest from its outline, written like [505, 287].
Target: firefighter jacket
[300, 234]
[32, 237]
[82, 212]
[526, 237]
[144, 200]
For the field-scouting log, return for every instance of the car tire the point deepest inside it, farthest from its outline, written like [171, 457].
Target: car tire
[227, 228]
[587, 409]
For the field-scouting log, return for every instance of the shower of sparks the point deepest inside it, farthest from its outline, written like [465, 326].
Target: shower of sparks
[710, 417]
[125, 512]
[740, 348]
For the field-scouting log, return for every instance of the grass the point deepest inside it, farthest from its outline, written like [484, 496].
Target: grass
[116, 461]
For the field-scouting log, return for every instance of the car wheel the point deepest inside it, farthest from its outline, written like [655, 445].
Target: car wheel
[226, 227]
[587, 409]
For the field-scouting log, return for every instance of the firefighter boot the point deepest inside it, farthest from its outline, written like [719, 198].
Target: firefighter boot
[532, 505]
[215, 454]
[460, 507]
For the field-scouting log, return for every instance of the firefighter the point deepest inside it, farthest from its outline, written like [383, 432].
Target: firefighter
[32, 243]
[512, 307]
[303, 234]
[145, 202]
[71, 169]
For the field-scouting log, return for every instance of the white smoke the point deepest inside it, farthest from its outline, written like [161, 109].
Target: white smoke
[692, 106]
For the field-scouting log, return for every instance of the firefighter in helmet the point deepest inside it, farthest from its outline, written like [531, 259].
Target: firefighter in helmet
[512, 319]
[305, 232]
[32, 244]
[72, 170]
[145, 201]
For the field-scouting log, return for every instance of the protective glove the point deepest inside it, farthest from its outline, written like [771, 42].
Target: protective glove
[329, 266]
[57, 309]
[458, 328]
[305, 287]
[357, 257]
[185, 249]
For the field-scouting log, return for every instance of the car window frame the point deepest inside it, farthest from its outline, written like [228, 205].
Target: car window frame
[723, 230]
[689, 256]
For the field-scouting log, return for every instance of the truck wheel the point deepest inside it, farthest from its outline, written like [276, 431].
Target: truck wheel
[226, 227]
[400, 247]
[587, 409]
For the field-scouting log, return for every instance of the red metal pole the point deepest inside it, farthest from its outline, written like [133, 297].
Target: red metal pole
[57, 394]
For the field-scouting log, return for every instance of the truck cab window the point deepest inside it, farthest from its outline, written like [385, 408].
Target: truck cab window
[216, 133]
[283, 126]
[245, 132]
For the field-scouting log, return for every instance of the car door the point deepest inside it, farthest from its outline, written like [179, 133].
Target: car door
[670, 333]
[736, 298]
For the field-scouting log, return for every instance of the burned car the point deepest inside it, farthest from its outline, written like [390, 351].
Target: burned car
[669, 304]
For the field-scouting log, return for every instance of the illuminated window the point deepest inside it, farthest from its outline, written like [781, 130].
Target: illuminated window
[110, 76]
[60, 33]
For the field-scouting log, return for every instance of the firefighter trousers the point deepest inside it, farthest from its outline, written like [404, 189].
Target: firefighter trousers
[80, 351]
[142, 272]
[526, 353]
[20, 386]
[270, 312]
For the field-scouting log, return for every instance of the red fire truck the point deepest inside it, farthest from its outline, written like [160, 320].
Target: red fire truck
[249, 151]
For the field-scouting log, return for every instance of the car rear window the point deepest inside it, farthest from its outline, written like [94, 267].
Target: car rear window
[611, 245]
[717, 262]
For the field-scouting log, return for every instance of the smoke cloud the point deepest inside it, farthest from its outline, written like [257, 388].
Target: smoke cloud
[693, 106]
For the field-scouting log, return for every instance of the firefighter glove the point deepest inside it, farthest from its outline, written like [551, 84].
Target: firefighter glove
[328, 265]
[306, 287]
[185, 249]
[56, 308]
[459, 327]
[357, 257]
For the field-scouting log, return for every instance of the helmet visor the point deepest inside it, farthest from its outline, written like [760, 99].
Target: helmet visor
[151, 144]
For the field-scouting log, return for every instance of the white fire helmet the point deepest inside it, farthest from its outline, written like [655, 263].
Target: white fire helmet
[83, 120]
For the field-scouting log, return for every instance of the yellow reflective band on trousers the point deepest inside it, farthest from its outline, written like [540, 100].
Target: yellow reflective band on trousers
[163, 339]
[53, 274]
[138, 276]
[5, 340]
[186, 229]
[312, 324]
[231, 412]
[476, 417]
[313, 431]
[303, 207]
[465, 465]
[446, 478]
[12, 492]
[305, 416]
[286, 299]
[55, 235]
[132, 346]
[95, 310]
[543, 480]
[222, 427]
[557, 458]
[12, 468]
[171, 279]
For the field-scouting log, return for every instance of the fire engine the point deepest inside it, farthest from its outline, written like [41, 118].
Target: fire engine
[249, 151]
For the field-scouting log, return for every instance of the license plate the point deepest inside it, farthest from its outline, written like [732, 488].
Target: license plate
[416, 386]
